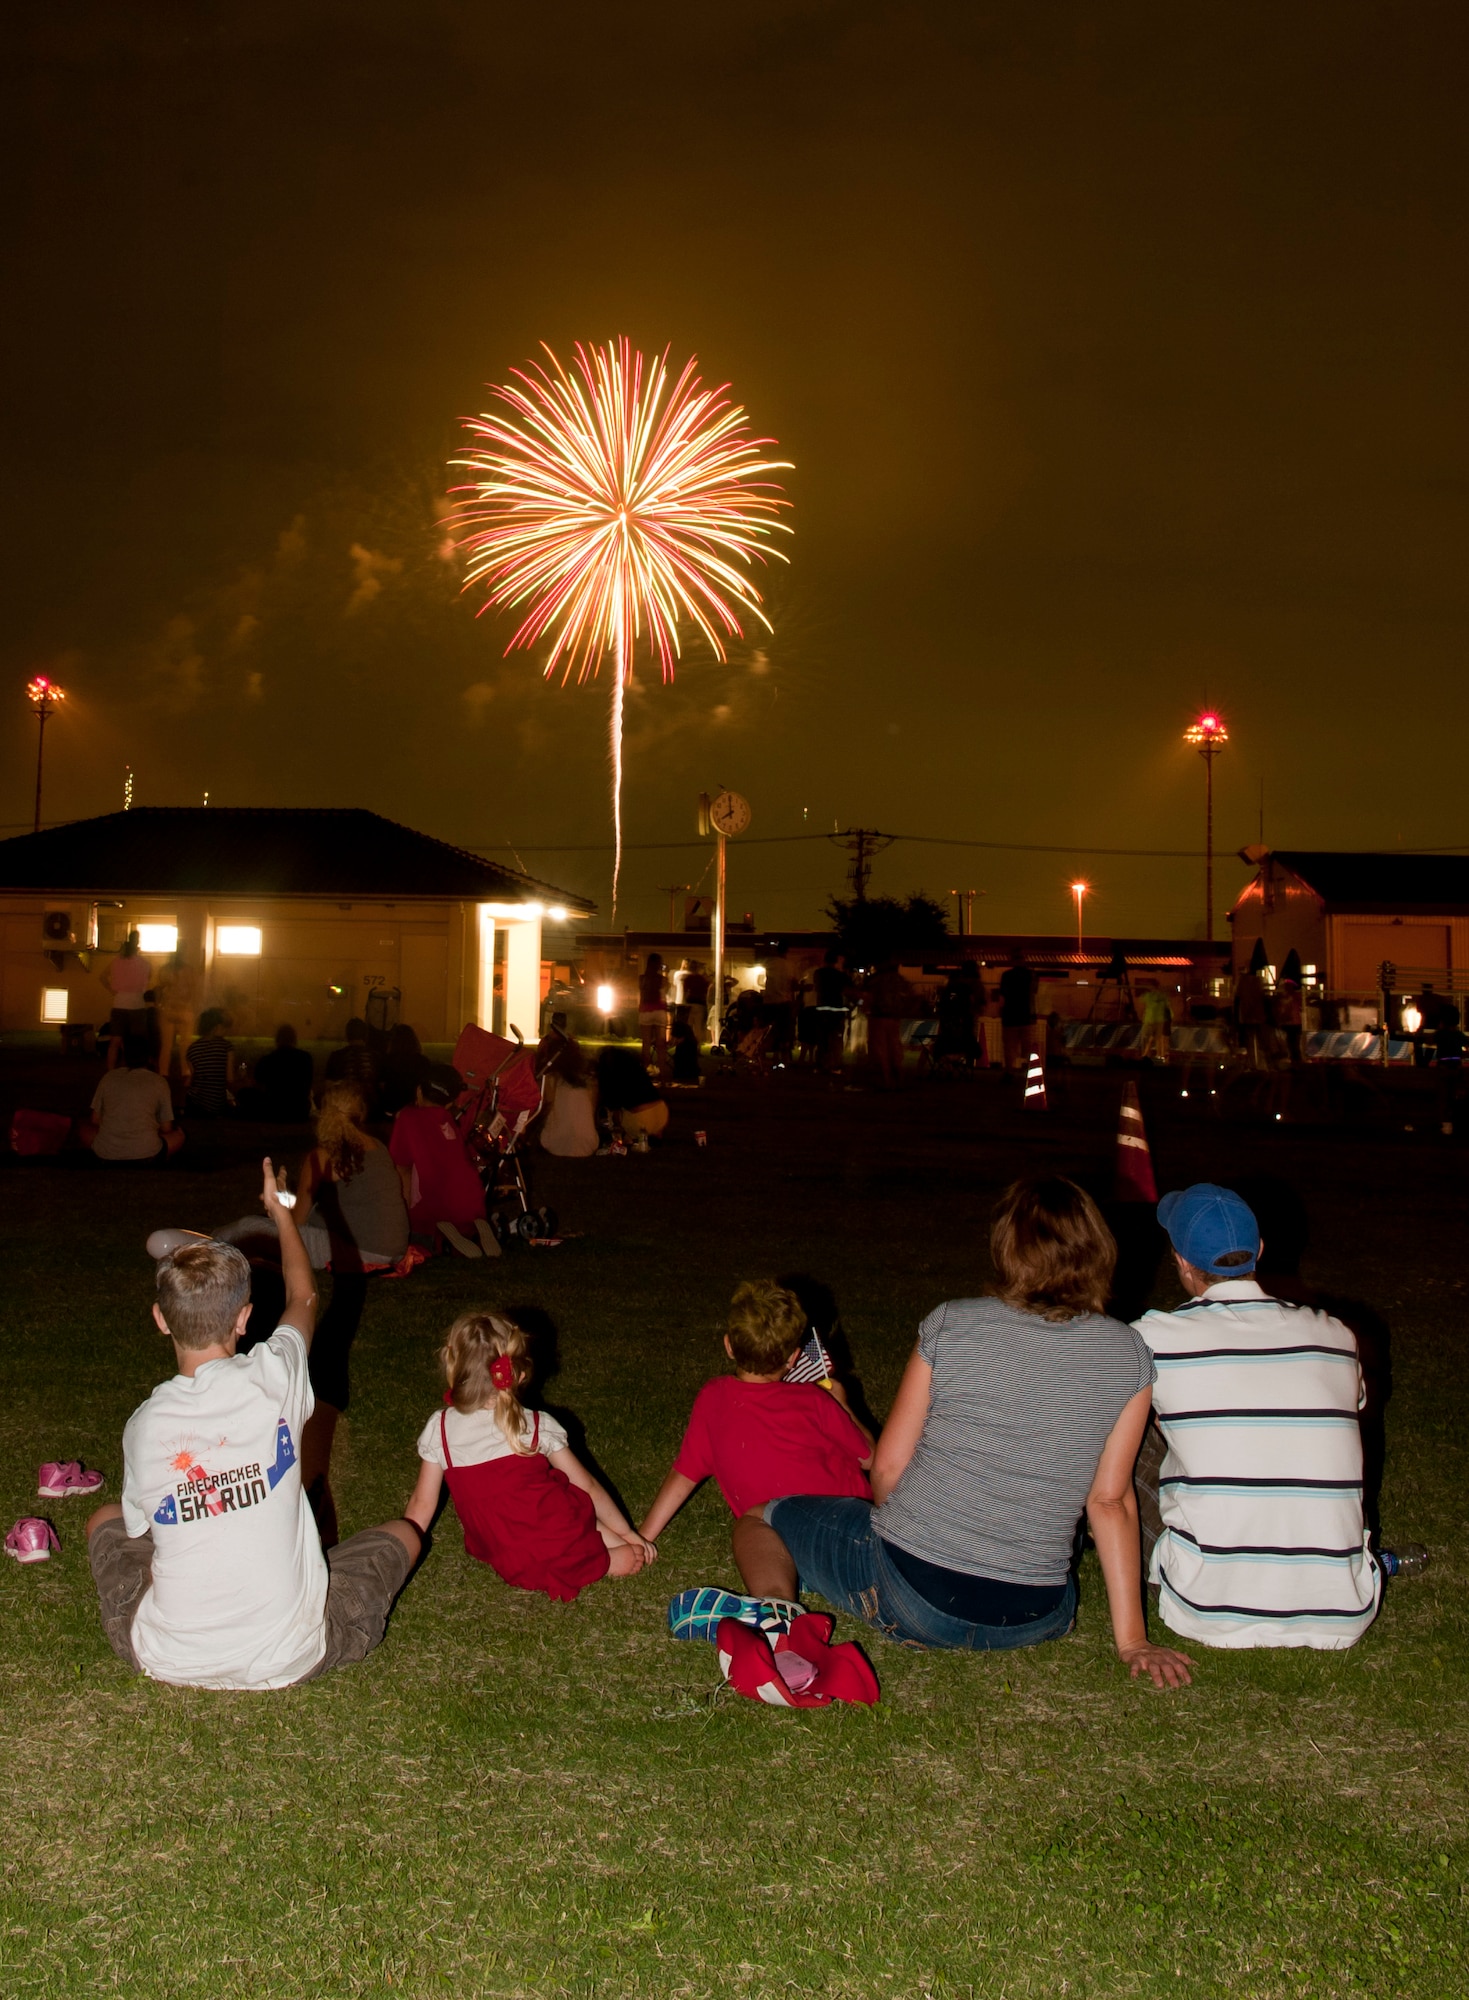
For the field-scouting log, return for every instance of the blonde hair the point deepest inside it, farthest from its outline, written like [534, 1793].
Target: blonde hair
[1054, 1253]
[475, 1342]
[338, 1137]
[767, 1324]
[201, 1289]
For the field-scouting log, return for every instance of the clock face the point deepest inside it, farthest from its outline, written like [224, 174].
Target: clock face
[729, 813]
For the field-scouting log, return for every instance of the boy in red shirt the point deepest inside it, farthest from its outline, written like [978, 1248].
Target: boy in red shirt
[761, 1438]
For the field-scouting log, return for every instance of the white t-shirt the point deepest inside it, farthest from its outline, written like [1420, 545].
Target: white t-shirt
[131, 1106]
[475, 1438]
[1263, 1540]
[211, 1466]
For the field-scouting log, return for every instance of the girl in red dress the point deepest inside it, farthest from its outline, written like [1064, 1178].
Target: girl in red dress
[528, 1506]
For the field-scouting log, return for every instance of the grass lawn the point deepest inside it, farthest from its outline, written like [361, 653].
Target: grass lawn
[513, 1797]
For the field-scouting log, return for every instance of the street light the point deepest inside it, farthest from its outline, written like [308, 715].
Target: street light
[45, 696]
[1079, 889]
[1208, 736]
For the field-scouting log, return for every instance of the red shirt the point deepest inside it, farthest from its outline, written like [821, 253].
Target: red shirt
[445, 1186]
[767, 1440]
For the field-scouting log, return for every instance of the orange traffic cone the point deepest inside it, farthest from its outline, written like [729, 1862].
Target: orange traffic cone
[1035, 1082]
[1134, 1156]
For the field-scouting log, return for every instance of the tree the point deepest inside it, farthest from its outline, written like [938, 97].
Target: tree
[879, 927]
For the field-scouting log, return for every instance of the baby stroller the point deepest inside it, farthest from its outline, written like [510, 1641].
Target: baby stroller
[501, 1100]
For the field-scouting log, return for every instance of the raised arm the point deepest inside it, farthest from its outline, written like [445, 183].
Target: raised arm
[903, 1429]
[300, 1307]
[1111, 1511]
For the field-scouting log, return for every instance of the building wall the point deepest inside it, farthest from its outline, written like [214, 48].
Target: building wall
[1346, 949]
[1419, 946]
[319, 961]
[1288, 914]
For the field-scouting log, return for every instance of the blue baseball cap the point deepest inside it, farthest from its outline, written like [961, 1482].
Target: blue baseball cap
[1207, 1223]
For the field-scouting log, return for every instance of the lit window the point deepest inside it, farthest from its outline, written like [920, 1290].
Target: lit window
[238, 940]
[55, 1004]
[162, 938]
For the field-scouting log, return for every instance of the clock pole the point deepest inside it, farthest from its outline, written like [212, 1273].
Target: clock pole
[725, 814]
[716, 1014]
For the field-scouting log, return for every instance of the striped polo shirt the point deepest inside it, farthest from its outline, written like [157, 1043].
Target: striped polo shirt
[1263, 1541]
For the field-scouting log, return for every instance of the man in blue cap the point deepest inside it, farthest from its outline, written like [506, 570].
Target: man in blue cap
[1263, 1541]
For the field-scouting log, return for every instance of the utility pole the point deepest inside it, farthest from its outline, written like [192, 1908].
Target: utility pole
[673, 890]
[964, 902]
[862, 843]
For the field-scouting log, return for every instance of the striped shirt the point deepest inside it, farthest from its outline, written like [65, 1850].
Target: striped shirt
[1263, 1540]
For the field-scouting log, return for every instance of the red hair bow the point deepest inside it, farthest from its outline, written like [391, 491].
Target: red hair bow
[502, 1372]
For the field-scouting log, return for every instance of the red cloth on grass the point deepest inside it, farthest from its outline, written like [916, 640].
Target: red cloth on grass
[767, 1440]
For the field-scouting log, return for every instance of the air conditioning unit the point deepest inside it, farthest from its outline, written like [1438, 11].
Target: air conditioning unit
[56, 927]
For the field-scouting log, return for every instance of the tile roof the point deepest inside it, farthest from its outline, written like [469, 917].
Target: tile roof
[335, 851]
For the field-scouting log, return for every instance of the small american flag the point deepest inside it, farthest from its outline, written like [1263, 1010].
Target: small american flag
[813, 1363]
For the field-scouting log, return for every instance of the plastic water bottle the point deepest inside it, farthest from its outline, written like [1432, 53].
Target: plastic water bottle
[1409, 1559]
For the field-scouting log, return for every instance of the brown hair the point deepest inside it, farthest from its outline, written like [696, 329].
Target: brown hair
[767, 1324]
[1054, 1254]
[475, 1341]
[201, 1289]
[338, 1139]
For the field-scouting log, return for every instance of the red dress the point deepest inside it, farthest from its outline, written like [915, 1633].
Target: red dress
[523, 1516]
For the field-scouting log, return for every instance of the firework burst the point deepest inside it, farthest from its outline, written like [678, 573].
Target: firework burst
[614, 507]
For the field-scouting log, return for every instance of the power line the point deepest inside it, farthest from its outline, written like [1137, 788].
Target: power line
[914, 839]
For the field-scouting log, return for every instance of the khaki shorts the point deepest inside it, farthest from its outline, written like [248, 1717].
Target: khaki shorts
[651, 1118]
[366, 1572]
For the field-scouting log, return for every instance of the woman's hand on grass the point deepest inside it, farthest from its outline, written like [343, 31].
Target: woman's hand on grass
[646, 1549]
[1168, 1669]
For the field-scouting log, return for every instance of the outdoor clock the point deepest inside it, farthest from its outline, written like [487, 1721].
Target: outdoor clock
[729, 813]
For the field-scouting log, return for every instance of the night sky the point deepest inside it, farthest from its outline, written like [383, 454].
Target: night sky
[1119, 350]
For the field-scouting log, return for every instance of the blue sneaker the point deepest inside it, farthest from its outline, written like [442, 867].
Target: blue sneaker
[695, 1614]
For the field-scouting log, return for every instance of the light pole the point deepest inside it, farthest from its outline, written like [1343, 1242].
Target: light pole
[1079, 889]
[1208, 736]
[964, 898]
[45, 696]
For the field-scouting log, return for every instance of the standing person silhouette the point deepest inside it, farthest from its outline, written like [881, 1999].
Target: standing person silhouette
[653, 1013]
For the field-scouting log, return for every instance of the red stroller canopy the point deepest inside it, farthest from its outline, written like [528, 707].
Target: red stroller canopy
[481, 1058]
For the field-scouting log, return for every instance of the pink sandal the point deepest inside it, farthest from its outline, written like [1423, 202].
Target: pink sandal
[60, 1478]
[32, 1541]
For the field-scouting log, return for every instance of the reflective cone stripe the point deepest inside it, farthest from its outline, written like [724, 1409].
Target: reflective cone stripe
[1035, 1082]
[1134, 1177]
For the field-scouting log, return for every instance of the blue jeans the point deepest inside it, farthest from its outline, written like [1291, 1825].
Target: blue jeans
[837, 1551]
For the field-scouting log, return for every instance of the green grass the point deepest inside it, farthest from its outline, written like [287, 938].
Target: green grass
[519, 1798]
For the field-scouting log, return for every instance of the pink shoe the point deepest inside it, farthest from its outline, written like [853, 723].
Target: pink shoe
[58, 1480]
[32, 1541]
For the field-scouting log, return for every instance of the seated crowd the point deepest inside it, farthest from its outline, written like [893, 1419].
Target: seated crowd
[1020, 1415]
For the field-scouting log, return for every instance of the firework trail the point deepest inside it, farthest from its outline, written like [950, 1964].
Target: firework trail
[612, 507]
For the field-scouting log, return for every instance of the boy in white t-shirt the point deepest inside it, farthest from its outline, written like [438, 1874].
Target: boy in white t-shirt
[210, 1573]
